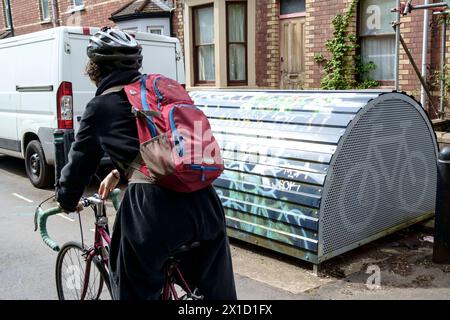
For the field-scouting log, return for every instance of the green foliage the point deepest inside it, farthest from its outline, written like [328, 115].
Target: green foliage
[344, 70]
[319, 58]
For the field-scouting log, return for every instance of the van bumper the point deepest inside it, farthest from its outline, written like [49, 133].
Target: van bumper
[46, 137]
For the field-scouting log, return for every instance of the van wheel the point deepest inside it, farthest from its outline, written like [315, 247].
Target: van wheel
[39, 172]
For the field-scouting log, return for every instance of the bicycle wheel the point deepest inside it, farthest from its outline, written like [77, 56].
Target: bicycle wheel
[70, 274]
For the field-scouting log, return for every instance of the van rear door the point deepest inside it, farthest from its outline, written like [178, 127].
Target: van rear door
[8, 96]
[35, 78]
[160, 55]
[74, 65]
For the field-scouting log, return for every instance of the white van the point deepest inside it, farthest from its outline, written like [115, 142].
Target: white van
[43, 87]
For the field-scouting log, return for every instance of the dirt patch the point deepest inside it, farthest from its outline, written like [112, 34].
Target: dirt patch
[423, 281]
[398, 254]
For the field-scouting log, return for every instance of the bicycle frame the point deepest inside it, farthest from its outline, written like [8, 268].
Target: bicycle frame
[101, 235]
[169, 290]
[102, 241]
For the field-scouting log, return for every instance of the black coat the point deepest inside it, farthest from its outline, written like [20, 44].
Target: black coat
[152, 222]
[107, 125]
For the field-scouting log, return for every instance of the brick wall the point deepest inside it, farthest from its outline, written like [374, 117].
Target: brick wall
[27, 14]
[177, 22]
[267, 40]
[267, 43]
[318, 30]
[96, 13]
[2, 17]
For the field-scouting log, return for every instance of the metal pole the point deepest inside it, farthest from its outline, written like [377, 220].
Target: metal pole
[441, 250]
[9, 13]
[417, 71]
[443, 57]
[397, 49]
[60, 158]
[426, 21]
[430, 6]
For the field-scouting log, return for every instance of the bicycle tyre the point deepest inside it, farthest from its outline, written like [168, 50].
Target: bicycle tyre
[93, 293]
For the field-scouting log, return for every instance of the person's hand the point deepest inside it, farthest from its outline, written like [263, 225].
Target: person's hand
[109, 184]
[79, 208]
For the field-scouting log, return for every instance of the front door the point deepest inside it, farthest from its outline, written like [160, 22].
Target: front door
[292, 52]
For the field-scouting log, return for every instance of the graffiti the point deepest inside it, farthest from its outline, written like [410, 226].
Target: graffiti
[272, 186]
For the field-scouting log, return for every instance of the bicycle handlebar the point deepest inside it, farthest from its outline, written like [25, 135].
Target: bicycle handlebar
[42, 223]
[40, 218]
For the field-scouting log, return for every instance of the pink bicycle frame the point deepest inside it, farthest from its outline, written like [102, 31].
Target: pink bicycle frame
[99, 248]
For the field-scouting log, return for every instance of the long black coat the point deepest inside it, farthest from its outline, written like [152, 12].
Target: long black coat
[152, 222]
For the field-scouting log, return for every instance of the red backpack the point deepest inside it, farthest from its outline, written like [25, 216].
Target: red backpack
[178, 148]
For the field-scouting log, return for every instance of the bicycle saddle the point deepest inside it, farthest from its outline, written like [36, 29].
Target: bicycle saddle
[186, 248]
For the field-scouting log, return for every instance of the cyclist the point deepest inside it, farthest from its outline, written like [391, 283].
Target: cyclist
[152, 222]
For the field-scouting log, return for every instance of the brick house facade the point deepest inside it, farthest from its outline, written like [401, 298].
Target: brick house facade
[27, 14]
[267, 41]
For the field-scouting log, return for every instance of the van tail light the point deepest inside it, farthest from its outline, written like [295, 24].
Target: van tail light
[64, 106]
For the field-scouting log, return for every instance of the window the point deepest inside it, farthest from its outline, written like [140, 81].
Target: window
[78, 3]
[378, 37]
[45, 10]
[237, 42]
[155, 30]
[292, 6]
[7, 21]
[204, 54]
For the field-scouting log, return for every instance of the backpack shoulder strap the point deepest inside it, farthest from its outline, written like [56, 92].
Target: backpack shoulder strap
[112, 90]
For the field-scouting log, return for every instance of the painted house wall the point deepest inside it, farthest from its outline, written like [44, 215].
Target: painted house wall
[142, 25]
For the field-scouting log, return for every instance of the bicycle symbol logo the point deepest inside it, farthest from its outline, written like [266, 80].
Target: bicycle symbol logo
[391, 177]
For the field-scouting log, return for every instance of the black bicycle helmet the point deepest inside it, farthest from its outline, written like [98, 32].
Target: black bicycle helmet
[115, 48]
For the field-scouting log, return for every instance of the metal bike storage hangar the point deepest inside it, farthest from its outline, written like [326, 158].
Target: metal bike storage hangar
[316, 174]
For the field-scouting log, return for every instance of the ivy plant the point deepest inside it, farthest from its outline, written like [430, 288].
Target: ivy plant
[344, 69]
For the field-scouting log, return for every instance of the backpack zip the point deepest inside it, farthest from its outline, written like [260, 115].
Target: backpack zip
[151, 124]
[158, 93]
[177, 139]
[203, 169]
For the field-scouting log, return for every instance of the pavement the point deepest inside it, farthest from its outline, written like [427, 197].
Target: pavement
[396, 267]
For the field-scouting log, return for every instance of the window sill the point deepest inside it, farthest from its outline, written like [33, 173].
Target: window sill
[76, 9]
[204, 87]
[48, 21]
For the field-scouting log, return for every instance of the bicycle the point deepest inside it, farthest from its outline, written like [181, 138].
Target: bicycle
[85, 282]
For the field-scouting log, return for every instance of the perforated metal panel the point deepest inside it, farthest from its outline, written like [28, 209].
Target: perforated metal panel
[383, 174]
[304, 169]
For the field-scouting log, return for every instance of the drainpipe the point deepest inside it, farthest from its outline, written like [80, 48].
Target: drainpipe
[55, 13]
[9, 13]
[426, 22]
[443, 63]
[397, 48]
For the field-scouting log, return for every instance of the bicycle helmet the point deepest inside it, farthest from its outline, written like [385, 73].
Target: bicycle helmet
[115, 48]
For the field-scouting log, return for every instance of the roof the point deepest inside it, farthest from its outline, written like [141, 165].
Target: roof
[143, 9]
